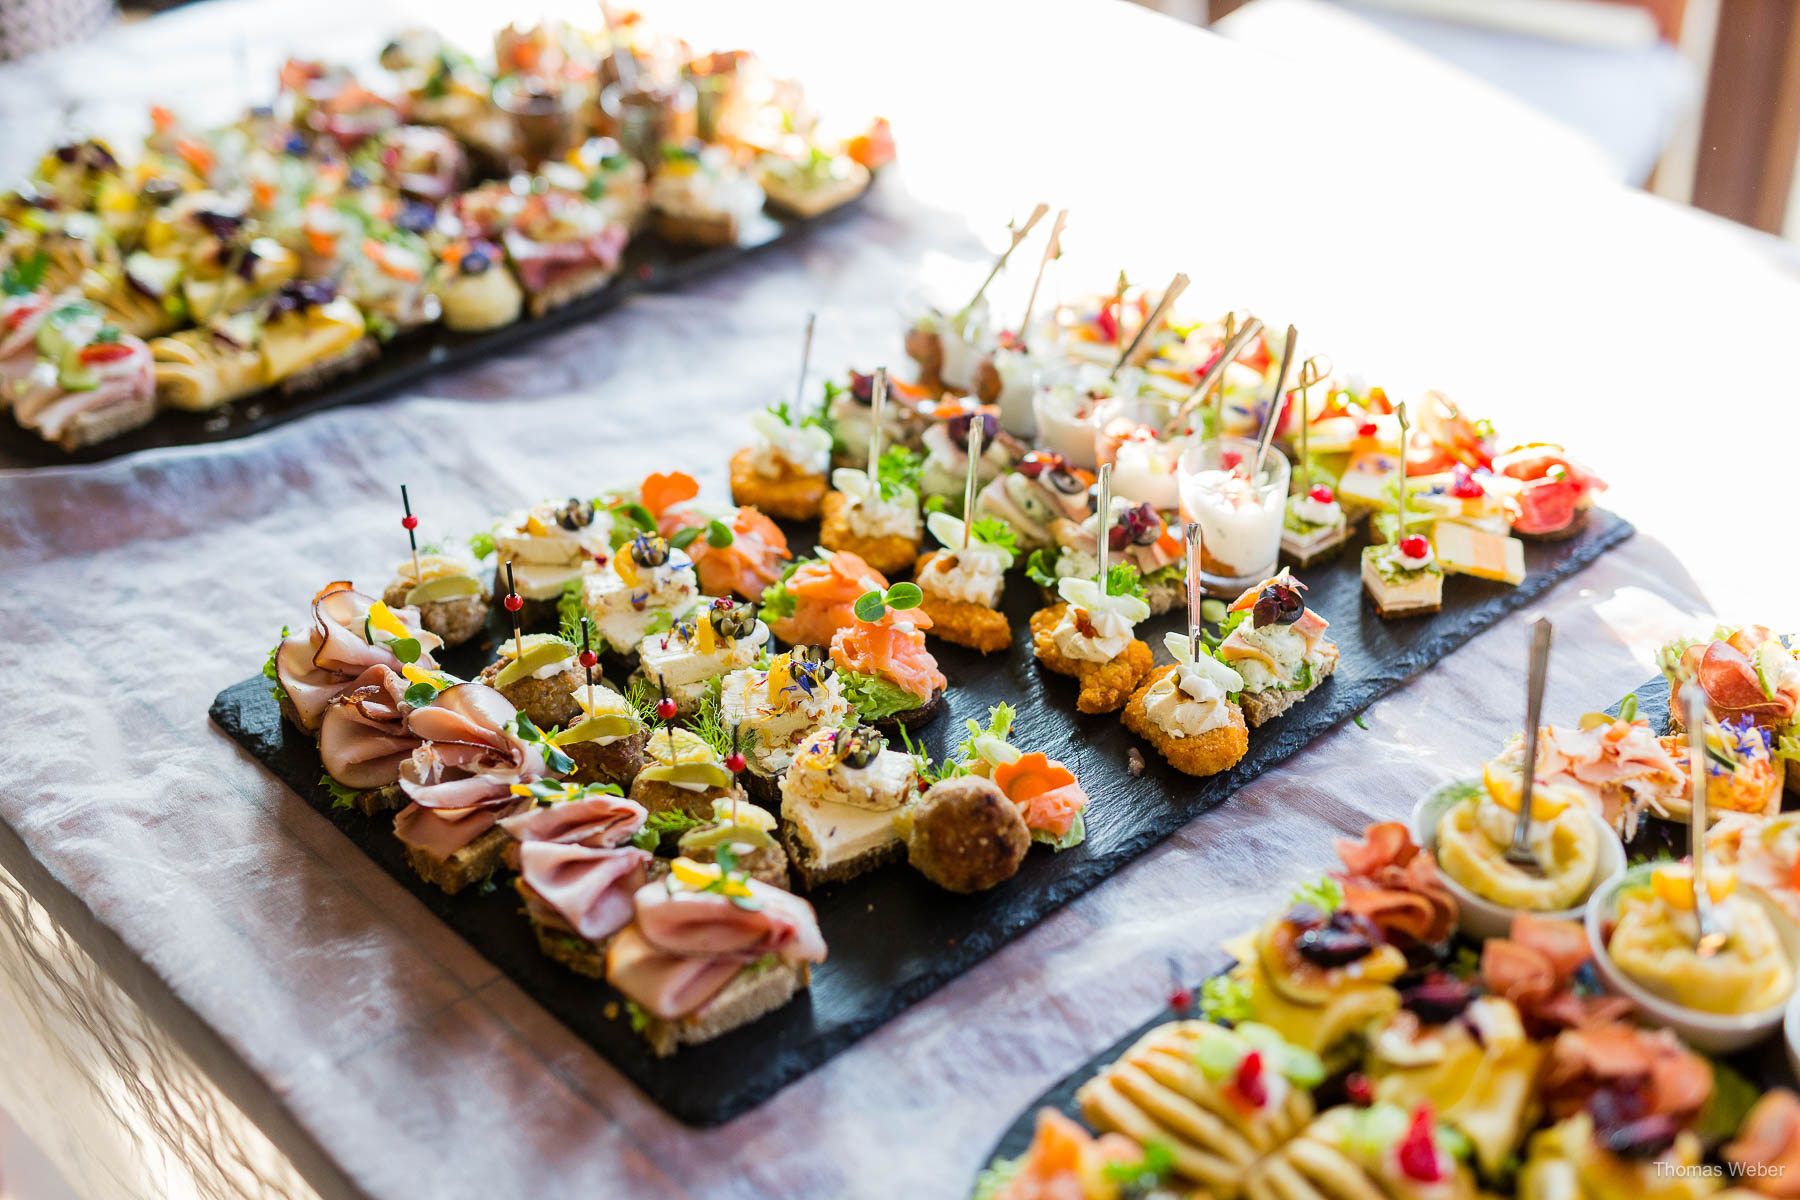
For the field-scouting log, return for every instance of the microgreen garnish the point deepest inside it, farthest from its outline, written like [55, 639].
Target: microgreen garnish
[709, 721]
[872, 605]
[1226, 998]
[1144, 1176]
[995, 532]
[341, 796]
[898, 472]
[670, 822]
[1123, 579]
[555, 760]
[1322, 894]
[570, 608]
[481, 544]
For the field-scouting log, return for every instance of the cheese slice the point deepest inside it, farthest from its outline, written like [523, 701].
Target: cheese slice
[1367, 479]
[1464, 550]
[1342, 435]
[294, 342]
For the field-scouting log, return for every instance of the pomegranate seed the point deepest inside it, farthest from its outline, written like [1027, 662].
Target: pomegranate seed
[1322, 494]
[1180, 998]
[1250, 1083]
[1418, 1152]
[1230, 459]
[1414, 545]
[1367, 429]
[1359, 1090]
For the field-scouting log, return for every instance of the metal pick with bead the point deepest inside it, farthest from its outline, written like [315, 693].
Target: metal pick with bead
[805, 361]
[1229, 349]
[588, 659]
[1196, 590]
[513, 603]
[1518, 851]
[1711, 938]
[1154, 318]
[1400, 473]
[1052, 250]
[877, 401]
[1272, 420]
[1102, 523]
[410, 523]
[977, 427]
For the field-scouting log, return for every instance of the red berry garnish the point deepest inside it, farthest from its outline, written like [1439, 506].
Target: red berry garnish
[1358, 1090]
[600, 559]
[1463, 485]
[1230, 458]
[665, 709]
[1180, 998]
[514, 602]
[1250, 1083]
[1367, 429]
[721, 603]
[734, 762]
[1418, 1150]
[1322, 494]
[409, 522]
[589, 658]
[1414, 545]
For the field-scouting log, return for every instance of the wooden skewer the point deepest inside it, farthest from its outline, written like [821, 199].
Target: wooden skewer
[1052, 250]
[1019, 235]
[1229, 349]
[1141, 340]
[805, 358]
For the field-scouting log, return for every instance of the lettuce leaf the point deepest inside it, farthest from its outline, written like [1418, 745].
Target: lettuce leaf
[777, 602]
[1041, 567]
[1077, 834]
[278, 692]
[875, 698]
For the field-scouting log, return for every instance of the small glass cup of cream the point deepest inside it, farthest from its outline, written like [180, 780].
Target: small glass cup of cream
[1239, 507]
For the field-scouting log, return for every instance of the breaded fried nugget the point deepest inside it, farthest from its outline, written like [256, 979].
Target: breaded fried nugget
[1211, 752]
[789, 496]
[889, 555]
[1104, 685]
[961, 621]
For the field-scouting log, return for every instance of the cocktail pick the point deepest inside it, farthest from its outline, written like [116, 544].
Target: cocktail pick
[1311, 374]
[588, 657]
[805, 359]
[1229, 349]
[665, 711]
[1018, 235]
[1711, 937]
[1103, 523]
[623, 62]
[877, 401]
[410, 523]
[1196, 590]
[1141, 339]
[977, 427]
[1272, 420]
[1119, 308]
[1052, 251]
[1518, 851]
[514, 602]
[1400, 473]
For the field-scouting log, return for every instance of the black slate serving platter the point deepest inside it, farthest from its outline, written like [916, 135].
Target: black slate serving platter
[895, 938]
[1655, 839]
[650, 264]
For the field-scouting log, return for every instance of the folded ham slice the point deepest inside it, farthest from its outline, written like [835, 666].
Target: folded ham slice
[589, 889]
[470, 758]
[127, 381]
[600, 822]
[317, 666]
[685, 946]
[668, 986]
[363, 738]
[439, 833]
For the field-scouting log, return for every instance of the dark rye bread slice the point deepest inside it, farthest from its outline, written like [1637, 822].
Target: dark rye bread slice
[1260, 707]
[753, 992]
[811, 875]
[568, 287]
[89, 428]
[912, 719]
[471, 864]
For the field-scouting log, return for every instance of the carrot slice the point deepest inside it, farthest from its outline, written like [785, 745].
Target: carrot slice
[1030, 776]
[660, 491]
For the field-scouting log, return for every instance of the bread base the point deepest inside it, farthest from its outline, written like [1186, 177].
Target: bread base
[87, 429]
[1576, 524]
[455, 621]
[750, 994]
[967, 624]
[311, 377]
[811, 875]
[693, 229]
[568, 289]
[472, 864]
[1260, 707]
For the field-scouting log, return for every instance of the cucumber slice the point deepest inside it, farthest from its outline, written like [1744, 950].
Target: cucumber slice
[450, 587]
[726, 834]
[709, 775]
[75, 376]
[539, 656]
[611, 725]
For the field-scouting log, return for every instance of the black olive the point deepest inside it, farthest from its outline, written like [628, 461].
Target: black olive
[960, 426]
[858, 747]
[1342, 939]
[1277, 604]
[1144, 524]
[1438, 999]
[1063, 480]
[576, 514]
[160, 190]
[649, 550]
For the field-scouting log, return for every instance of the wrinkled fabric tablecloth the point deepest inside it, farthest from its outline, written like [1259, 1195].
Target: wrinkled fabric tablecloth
[365, 1035]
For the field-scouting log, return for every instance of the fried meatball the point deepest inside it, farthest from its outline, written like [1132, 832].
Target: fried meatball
[1211, 752]
[889, 555]
[1105, 686]
[966, 836]
[788, 496]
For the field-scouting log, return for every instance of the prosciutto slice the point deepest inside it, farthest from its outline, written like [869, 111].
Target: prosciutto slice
[712, 925]
[317, 666]
[439, 833]
[542, 264]
[668, 986]
[590, 889]
[600, 822]
[469, 758]
[1729, 678]
[363, 738]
